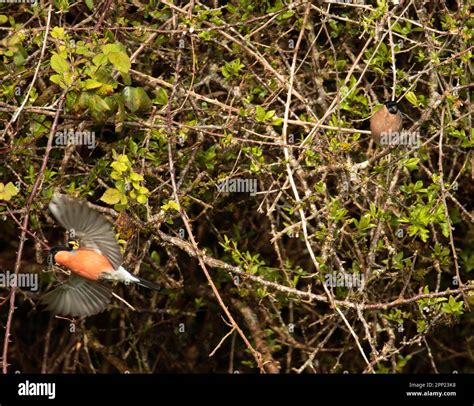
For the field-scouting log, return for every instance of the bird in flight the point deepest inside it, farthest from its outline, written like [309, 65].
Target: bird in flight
[92, 266]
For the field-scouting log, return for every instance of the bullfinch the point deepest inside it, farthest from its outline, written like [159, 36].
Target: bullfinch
[92, 266]
[386, 121]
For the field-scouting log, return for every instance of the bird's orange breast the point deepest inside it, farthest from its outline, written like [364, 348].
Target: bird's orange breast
[86, 263]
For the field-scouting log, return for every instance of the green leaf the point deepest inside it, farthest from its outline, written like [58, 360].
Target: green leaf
[395, 315]
[19, 59]
[286, 14]
[277, 121]
[411, 97]
[161, 97]
[98, 104]
[109, 48]
[136, 177]
[232, 68]
[112, 196]
[58, 80]
[453, 307]
[135, 99]
[120, 60]
[269, 115]
[445, 229]
[92, 84]
[99, 59]
[59, 64]
[3, 19]
[119, 166]
[68, 79]
[421, 326]
[58, 33]
[412, 163]
[123, 199]
[124, 159]
[89, 4]
[142, 199]
[424, 234]
[468, 258]
[171, 205]
[8, 191]
[260, 114]
[364, 223]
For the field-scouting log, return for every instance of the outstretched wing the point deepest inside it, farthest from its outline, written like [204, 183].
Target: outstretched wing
[78, 297]
[87, 225]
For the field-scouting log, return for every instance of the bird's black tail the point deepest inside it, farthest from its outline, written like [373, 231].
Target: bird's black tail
[147, 284]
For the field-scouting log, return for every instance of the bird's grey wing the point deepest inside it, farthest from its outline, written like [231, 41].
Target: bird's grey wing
[87, 225]
[78, 297]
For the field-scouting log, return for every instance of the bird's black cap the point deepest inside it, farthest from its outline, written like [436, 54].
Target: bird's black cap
[392, 107]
